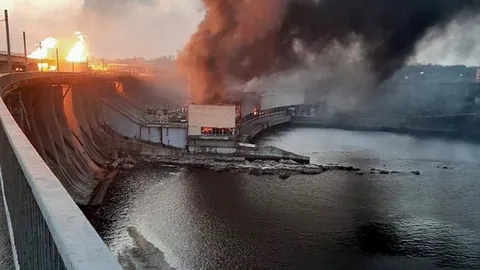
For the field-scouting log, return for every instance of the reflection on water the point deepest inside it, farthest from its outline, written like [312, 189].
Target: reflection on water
[200, 219]
[143, 254]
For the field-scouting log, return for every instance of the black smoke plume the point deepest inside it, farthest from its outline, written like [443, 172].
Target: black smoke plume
[243, 39]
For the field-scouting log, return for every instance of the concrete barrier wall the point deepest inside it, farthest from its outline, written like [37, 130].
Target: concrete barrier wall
[7, 79]
[48, 229]
[256, 126]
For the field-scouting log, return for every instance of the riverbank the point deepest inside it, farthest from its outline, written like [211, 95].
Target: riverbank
[283, 168]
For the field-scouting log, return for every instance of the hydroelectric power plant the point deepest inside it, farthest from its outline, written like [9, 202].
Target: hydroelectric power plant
[93, 128]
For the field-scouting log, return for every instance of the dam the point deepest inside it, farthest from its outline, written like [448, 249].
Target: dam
[82, 124]
[65, 116]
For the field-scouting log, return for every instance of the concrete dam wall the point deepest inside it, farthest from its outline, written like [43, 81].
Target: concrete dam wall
[70, 123]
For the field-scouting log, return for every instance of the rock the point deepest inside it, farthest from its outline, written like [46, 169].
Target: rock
[445, 167]
[127, 166]
[130, 160]
[116, 163]
[312, 171]
[218, 168]
[284, 175]
[395, 172]
[114, 156]
[416, 172]
[256, 171]
[288, 161]
[268, 171]
[359, 173]
[373, 169]
[384, 172]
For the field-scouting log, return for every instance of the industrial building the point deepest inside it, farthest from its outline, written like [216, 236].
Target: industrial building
[212, 128]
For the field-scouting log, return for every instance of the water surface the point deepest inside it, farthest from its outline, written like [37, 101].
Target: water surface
[200, 219]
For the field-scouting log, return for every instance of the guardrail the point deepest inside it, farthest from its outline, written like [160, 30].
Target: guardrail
[255, 126]
[47, 229]
[11, 78]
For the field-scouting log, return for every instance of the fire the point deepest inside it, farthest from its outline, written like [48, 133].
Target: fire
[78, 53]
[44, 46]
[48, 49]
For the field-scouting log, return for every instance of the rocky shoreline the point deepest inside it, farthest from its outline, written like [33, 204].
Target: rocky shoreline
[283, 168]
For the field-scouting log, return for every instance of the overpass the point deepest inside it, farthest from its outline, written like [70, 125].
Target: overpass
[18, 62]
[16, 57]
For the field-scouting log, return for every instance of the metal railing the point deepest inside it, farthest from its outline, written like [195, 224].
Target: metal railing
[47, 229]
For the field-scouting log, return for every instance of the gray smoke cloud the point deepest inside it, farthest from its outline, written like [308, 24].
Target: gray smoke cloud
[457, 44]
[113, 6]
[339, 74]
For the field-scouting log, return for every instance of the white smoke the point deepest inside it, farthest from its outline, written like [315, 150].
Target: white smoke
[135, 29]
[340, 75]
[458, 44]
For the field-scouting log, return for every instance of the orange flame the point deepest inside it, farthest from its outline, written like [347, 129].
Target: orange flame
[78, 53]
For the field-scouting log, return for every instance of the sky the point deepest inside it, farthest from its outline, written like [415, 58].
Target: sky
[152, 28]
[121, 28]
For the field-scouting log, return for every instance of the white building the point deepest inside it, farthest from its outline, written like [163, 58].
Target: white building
[212, 128]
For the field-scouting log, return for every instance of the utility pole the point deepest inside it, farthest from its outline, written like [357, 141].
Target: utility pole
[58, 65]
[41, 57]
[9, 52]
[25, 50]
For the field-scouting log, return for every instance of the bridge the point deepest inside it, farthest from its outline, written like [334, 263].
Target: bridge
[16, 57]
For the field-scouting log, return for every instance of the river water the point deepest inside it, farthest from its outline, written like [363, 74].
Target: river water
[196, 219]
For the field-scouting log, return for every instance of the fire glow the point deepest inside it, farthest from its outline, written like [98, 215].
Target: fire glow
[44, 46]
[49, 47]
[78, 54]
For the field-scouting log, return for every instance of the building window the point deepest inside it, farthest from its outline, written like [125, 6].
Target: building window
[211, 131]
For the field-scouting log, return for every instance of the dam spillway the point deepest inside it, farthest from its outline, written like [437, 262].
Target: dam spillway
[72, 122]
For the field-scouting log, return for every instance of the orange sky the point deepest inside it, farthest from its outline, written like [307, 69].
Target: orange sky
[140, 31]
